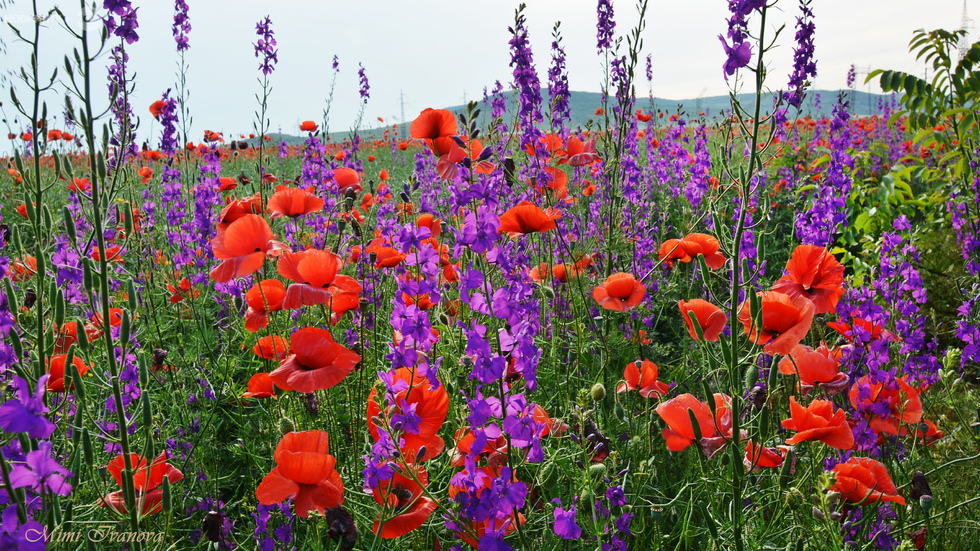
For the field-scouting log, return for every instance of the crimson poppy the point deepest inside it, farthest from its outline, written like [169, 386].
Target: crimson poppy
[758, 458]
[494, 449]
[23, 269]
[79, 185]
[260, 386]
[406, 507]
[785, 321]
[272, 347]
[620, 292]
[183, 291]
[264, 297]
[293, 202]
[642, 375]
[557, 182]
[242, 247]
[526, 218]
[304, 472]
[347, 178]
[813, 273]
[115, 318]
[317, 281]
[435, 126]
[54, 135]
[818, 422]
[238, 208]
[145, 173]
[156, 108]
[146, 481]
[56, 367]
[579, 153]
[875, 330]
[317, 362]
[429, 221]
[308, 126]
[815, 367]
[385, 256]
[898, 399]
[863, 480]
[928, 431]
[226, 183]
[715, 429]
[704, 244]
[430, 404]
[710, 318]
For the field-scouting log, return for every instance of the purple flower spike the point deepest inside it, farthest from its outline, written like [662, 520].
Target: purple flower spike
[565, 525]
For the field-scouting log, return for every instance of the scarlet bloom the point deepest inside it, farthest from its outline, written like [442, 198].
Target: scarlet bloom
[145, 173]
[317, 362]
[709, 317]
[642, 375]
[242, 247]
[347, 178]
[579, 153]
[290, 201]
[873, 330]
[112, 254]
[304, 472]
[680, 434]
[308, 126]
[227, 183]
[79, 185]
[758, 458]
[405, 505]
[272, 347]
[54, 135]
[429, 221]
[238, 208]
[264, 297]
[318, 281]
[620, 291]
[494, 449]
[785, 322]
[819, 422]
[23, 268]
[260, 386]
[527, 217]
[56, 367]
[184, 291]
[146, 481]
[430, 408]
[115, 318]
[815, 367]
[863, 480]
[383, 175]
[814, 273]
[889, 404]
[385, 257]
[690, 247]
[156, 108]
[436, 127]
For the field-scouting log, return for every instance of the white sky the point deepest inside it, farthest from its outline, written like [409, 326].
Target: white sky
[435, 51]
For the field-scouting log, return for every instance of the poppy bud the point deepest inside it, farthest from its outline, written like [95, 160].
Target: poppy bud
[167, 501]
[598, 470]
[286, 425]
[751, 376]
[212, 522]
[786, 472]
[793, 498]
[548, 292]
[239, 303]
[443, 318]
[87, 452]
[373, 257]
[598, 392]
[125, 327]
[348, 202]
[925, 502]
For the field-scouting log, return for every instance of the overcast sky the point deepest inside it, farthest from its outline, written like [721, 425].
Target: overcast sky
[437, 52]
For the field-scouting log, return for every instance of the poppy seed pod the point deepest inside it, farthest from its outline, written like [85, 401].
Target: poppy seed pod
[341, 226]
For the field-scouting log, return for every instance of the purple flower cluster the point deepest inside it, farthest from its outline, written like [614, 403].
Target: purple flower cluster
[267, 535]
[125, 27]
[265, 47]
[365, 88]
[826, 215]
[558, 83]
[804, 66]
[182, 25]
[739, 53]
[168, 119]
[527, 83]
[605, 26]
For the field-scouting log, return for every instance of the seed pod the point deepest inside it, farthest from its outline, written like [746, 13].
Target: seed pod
[167, 501]
[82, 336]
[87, 447]
[128, 222]
[31, 208]
[785, 474]
[286, 425]
[87, 276]
[125, 328]
[59, 309]
[11, 297]
[131, 295]
[147, 411]
[751, 376]
[70, 228]
[46, 218]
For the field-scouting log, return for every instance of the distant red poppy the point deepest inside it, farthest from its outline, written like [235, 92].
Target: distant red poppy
[56, 367]
[317, 281]
[238, 208]
[526, 218]
[145, 173]
[272, 347]
[679, 433]
[815, 367]
[429, 221]
[785, 322]
[293, 202]
[260, 386]
[371, 158]
[863, 480]
[242, 248]
[642, 375]
[54, 135]
[640, 116]
[317, 362]
[79, 185]
[710, 318]
[819, 422]
[405, 506]
[814, 273]
[620, 291]
[146, 481]
[897, 398]
[308, 126]
[27, 136]
[23, 269]
[431, 405]
[304, 472]
[264, 297]
[113, 254]
[761, 457]
[347, 178]
[184, 290]
[551, 143]
[115, 318]
[227, 184]
[156, 108]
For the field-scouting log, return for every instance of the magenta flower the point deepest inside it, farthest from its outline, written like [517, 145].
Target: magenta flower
[565, 525]
[26, 412]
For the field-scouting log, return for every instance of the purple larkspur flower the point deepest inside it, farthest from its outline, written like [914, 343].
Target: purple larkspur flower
[564, 525]
[25, 413]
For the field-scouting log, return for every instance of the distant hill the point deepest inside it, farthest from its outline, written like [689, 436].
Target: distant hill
[583, 105]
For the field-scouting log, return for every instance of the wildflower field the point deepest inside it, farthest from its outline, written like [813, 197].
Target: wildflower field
[491, 328]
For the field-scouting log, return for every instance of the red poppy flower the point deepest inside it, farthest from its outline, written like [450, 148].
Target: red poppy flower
[640, 116]
[642, 375]
[146, 480]
[54, 135]
[557, 182]
[758, 458]
[429, 221]
[818, 368]
[863, 480]
[785, 322]
[704, 244]
[818, 422]
[431, 405]
[317, 281]
[436, 127]
[304, 472]
[79, 185]
[264, 297]
[23, 268]
[347, 178]
[184, 290]
[711, 319]
[875, 330]
[385, 257]
[679, 433]
[317, 362]
[405, 505]
[293, 202]
[27, 136]
[238, 208]
[483, 481]
[579, 153]
[115, 318]
[815, 274]
[226, 183]
[145, 173]
[56, 367]
[526, 218]
[620, 292]
[899, 399]
[928, 431]
[242, 247]
[494, 450]
[272, 347]
[260, 386]
[156, 108]
[308, 126]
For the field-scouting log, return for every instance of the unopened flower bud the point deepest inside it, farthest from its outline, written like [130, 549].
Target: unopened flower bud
[598, 470]
[598, 392]
[925, 502]
[286, 425]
